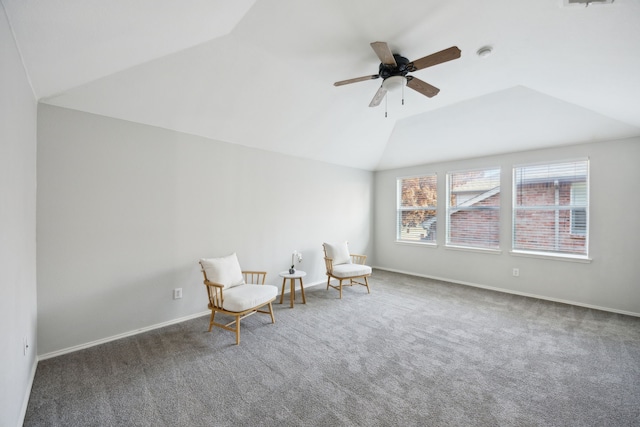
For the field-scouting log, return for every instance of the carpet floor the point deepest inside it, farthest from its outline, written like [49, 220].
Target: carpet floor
[414, 352]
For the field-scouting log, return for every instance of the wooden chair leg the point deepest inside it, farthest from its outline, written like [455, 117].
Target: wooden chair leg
[340, 288]
[237, 330]
[273, 320]
[328, 281]
[213, 315]
[367, 283]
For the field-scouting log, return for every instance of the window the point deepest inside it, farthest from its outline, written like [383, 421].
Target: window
[473, 209]
[417, 201]
[579, 214]
[550, 212]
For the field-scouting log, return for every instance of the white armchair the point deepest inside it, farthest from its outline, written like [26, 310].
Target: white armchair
[234, 292]
[343, 265]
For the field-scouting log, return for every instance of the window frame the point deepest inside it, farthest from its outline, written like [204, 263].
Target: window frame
[400, 209]
[551, 254]
[573, 226]
[498, 225]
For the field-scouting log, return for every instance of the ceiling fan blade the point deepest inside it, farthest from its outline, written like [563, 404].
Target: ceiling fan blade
[384, 53]
[435, 58]
[423, 87]
[357, 79]
[378, 97]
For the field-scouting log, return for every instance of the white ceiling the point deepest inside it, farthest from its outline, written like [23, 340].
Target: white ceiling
[261, 73]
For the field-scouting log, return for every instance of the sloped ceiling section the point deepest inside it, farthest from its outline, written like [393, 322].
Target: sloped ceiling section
[261, 73]
[69, 43]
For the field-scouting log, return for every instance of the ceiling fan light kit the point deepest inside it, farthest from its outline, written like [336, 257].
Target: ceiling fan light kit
[394, 70]
[394, 82]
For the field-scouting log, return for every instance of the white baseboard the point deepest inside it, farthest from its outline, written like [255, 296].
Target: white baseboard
[287, 288]
[309, 285]
[509, 291]
[27, 394]
[119, 336]
[139, 331]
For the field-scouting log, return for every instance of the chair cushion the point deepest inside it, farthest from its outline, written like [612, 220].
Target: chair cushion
[244, 297]
[338, 252]
[223, 270]
[351, 270]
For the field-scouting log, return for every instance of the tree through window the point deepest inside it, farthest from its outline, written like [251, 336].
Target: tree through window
[417, 207]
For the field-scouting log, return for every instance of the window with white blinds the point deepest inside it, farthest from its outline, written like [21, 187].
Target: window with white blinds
[551, 208]
[417, 207]
[473, 208]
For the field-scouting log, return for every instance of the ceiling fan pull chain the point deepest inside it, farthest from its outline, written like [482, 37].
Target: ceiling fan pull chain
[386, 103]
[403, 94]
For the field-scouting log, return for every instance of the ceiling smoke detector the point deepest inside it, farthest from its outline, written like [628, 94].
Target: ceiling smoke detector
[484, 51]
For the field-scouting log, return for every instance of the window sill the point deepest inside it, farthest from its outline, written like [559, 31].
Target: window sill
[421, 244]
[479, 250]
[557, 257]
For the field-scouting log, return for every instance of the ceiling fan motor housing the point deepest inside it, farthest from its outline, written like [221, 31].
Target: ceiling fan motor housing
[401, 69]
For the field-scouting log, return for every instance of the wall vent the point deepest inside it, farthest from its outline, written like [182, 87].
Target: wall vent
[585, 2]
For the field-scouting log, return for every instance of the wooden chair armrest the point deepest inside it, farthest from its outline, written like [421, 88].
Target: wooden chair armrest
[215, 293]
[329, 264]
[217, 285]
[254, 277]
[358, 259]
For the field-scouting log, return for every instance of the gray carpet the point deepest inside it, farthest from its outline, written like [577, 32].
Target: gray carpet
[415, 352]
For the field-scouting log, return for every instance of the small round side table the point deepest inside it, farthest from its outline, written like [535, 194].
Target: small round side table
[299, 274]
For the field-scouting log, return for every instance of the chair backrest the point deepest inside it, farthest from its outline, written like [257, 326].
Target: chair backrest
[254, 277]
[224, 271]
[337, 252]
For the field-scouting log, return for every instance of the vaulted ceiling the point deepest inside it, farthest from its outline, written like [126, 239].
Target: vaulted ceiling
[260, 73]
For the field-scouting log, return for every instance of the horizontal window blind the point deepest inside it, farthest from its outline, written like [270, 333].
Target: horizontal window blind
[473, 211]
[551, 203]
[417, 207]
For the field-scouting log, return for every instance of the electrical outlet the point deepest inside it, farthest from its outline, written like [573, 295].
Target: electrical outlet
[516, 272]
[177, 293]
[25, 345]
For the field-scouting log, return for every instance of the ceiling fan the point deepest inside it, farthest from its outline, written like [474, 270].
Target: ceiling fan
[394, 69]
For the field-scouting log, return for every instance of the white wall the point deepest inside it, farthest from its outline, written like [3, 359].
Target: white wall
[126, 210]
[17, 230]
[610, 281]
